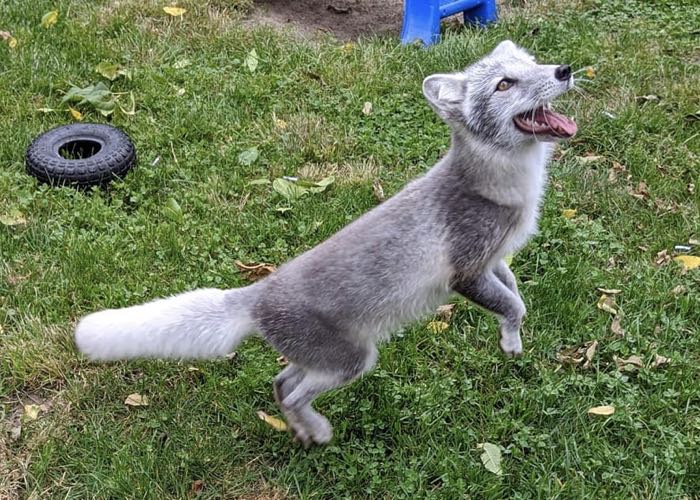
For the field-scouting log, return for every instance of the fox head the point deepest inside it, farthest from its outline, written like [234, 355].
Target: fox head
[503, 99]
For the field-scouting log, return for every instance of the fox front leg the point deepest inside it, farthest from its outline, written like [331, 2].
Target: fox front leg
[489, 292]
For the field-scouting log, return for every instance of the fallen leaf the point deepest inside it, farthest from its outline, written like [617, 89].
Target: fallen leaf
[197, 487]
[367, 108]
[691, 188]
[77, 115]
[491, 457]
[49, 19]
[98, 96]
[662, 258]
[7, 37]
[248, 156]
[582, 353]
[378, 190]
[569, 213]
[693, 241]
[640, 192]
[255, 271]
[590, 352]
[251, 61]
[31, 412]
[444, 312]
[660, 361]
[508, 259]
[632, 363]
[602, 410]
[615, 170]
[589, 158]
[609, 291]
[688, 261]
[437, 326]
[282, 361]
[616, 326]
[607, 304]
[280, 124]
[590, 72]
[112, 71]
[173, 210]
[174, 11]
[347, 48]
[13, 218]
[181, 63]
[679, 290]
[136, 400]
[273, 422]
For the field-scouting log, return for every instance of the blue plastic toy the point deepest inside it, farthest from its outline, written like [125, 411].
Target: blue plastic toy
[421, 18]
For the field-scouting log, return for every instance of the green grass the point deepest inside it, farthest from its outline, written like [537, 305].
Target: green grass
[410, 428]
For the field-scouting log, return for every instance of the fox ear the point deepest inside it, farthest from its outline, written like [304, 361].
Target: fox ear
[505, 47]
[445, 93]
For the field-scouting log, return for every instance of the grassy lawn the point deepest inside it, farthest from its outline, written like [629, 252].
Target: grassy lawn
[410, 429]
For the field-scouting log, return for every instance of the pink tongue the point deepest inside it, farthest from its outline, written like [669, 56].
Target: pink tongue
[559, 123]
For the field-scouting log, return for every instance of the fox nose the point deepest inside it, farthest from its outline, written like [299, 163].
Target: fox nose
[563, 72]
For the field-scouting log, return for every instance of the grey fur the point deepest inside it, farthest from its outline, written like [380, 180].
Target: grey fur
[446, 231]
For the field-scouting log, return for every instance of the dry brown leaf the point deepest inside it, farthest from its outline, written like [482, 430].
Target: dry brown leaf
[602, 410]
[616, 326]
[632, 363]
[282, 361]
[444, 312]
[662, 258]
[136, 400]
[660, 361]
[255, 271]
[607, 304]
[437, 326]
[640, 192]
[273, 422]
[367, 108]
[609, 291]
[616, 169]
[582, 353]
[197, 487]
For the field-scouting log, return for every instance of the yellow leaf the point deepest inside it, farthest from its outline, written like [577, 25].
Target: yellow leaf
[590, 72]
[174, 11]
[136, 400]
[77, 115]
[437, 326]
[12, 42]
[606, 304]
[508, 259]
[348, 47]
[569, 213]
[49, 19]
[280, 124]
[273, 422]
[602, 410]
[32, 411]
[688, 261]
[367, 108]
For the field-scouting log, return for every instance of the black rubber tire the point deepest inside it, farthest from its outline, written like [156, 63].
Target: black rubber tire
[114, 158]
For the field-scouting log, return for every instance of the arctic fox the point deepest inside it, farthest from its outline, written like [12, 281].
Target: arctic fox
[445, 232]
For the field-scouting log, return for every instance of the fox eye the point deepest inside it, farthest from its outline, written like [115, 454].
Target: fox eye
[504, 84]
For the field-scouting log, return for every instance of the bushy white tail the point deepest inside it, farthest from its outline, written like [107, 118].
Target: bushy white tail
[204, 323]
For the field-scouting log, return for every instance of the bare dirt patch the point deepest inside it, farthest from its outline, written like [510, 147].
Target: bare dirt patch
[344, 19]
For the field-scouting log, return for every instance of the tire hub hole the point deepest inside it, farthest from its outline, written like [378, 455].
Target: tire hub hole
[80, 149]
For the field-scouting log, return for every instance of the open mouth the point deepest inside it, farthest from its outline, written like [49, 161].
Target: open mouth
[544, 121]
